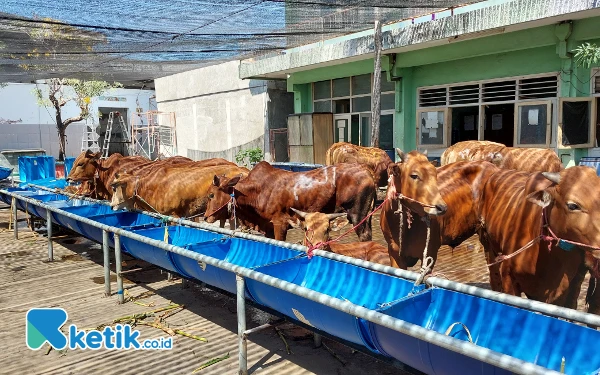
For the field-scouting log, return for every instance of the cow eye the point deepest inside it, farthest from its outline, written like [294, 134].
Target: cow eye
[573, 206]
[414, 176]
[211, 196]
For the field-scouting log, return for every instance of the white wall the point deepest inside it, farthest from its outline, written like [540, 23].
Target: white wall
[215, 111]
[24, 124]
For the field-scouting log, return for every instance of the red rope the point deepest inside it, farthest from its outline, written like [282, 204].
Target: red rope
[220, 208]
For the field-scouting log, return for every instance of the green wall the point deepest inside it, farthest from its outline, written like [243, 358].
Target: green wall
[533, 51]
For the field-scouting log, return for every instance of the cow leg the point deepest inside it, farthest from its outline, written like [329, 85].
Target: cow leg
[363, 231]
[572, 294]
[592, 299]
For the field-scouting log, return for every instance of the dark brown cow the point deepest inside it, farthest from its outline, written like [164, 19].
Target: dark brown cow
[511, 210]
[317, 228]
[373, 158]
[265, 197]
[179, 190]
[518, 158]
[460, 185]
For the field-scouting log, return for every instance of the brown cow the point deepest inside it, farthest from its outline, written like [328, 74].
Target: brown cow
[518, 158]
[265, 197]
[511, 210]
[373, 158]
[179, 190]
[317, 227]
[460, 185]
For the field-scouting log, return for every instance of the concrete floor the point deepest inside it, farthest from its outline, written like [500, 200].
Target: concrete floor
[74, 281]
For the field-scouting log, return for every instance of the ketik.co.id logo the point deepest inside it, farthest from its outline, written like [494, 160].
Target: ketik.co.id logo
[43, 325]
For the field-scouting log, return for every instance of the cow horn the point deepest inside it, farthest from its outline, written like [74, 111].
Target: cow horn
[299, 213]
[335, 216]
[401, 155]
[425, 152]
[552, 176]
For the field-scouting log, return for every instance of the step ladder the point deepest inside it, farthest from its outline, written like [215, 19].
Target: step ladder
[90, 137]
[109, 129]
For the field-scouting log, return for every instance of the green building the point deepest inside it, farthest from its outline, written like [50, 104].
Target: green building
[498, 70]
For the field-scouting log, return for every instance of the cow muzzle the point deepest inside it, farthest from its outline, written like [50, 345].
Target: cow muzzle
[437, 210]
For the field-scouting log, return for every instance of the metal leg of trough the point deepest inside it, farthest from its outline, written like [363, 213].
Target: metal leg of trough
[15, 226]
[118, 269]
[169, 276]
[184, 283]
[49, 231]
[241, 315]
[105, 251]
[317, 340]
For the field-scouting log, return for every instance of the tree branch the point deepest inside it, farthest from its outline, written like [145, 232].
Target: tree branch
[71, 120]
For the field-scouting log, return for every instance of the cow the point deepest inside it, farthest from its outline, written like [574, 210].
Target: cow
[522, 211]
[460, 185]
[174, 190]
[317, 227]
[373, 158]
[266, 196]
[519, 158]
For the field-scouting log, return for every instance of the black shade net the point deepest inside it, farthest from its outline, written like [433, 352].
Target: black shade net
[137, 41]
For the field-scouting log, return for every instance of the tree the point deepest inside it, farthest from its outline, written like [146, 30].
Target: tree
[62, 91]
[587, 55]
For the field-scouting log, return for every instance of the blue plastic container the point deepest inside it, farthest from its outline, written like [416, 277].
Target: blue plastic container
[150, 253]
[516, 332]
[59, 199]
[7, 198]
[47, 166]
[118, 219]
[336, 279]
[5, 172]
[24, 206]
[51, 183]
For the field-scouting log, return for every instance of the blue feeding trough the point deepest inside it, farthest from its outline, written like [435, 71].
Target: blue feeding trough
[505, 329]
[240, 252]
[81, 210]
[117, 219]
[337, 279]
[7, 198]
[23, 206]
[58, 201]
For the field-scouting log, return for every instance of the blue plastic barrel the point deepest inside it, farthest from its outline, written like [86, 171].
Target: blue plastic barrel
[529, 336]
[337, 279]
[68, 165]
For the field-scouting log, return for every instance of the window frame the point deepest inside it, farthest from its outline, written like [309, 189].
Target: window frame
[517, 129]
[446, 131]
[592, 135]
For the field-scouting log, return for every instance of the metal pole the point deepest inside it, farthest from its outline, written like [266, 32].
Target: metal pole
[14, 213]
[317, 340]
[241, 315]
[105, 251]
[49, 232]
[376, 99]
[120, 291]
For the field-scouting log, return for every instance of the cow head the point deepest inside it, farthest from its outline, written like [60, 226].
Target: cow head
[572, 203]
[120, 198]
[317, 226]
[219, 195]
[84, 166]
[416, 178]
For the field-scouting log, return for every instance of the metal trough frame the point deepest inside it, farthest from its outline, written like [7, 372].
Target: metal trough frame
[465, 348]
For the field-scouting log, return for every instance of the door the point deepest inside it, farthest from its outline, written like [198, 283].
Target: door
[365, 129]
[341, 128]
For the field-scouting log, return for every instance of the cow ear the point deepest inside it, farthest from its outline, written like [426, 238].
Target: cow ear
[216, 181]
[393, 170]
[232, 182]
[435, 163]
[296, 224]
[425, 152]
[338, 223]
[542, 198]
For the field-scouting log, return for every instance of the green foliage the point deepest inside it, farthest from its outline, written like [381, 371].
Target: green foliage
[249, 156]
[587, 55]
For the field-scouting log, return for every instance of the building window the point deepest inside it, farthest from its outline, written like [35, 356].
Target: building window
[576, 123]
[515, 111]
[432, 127]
